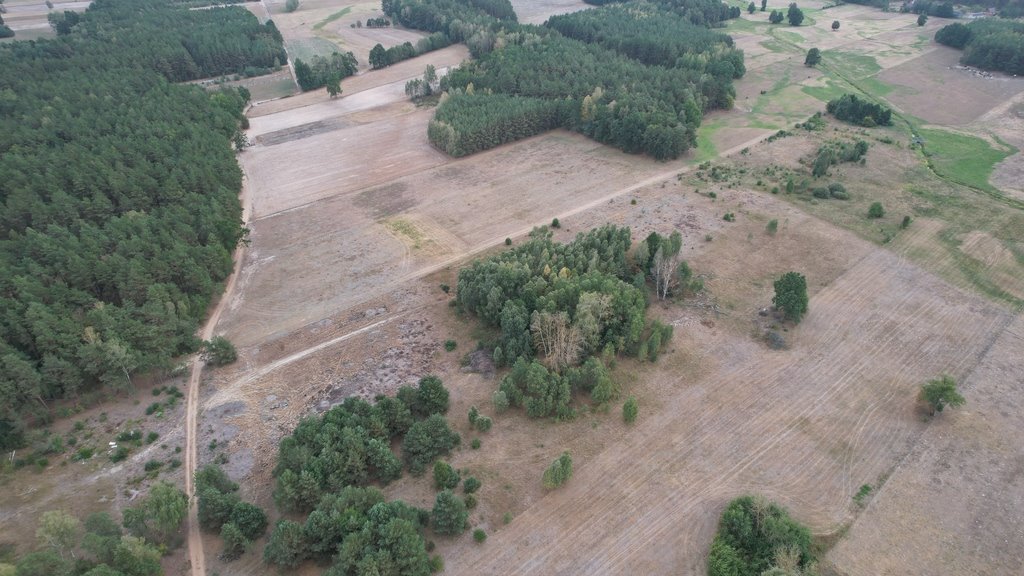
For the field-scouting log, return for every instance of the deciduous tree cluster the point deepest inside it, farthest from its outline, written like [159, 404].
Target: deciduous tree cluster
[850, 108]
[988, 43]
[755, 536]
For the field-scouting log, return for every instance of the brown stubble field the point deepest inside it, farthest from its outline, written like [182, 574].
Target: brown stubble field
[339, 296]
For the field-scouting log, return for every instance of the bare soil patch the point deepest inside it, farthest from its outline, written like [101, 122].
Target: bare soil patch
[937, 91]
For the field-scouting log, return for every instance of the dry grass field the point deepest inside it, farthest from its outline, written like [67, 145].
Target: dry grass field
[356, 221]
[354, 309]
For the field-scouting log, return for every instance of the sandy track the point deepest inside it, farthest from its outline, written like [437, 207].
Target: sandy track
[811, 424]
[197, 557]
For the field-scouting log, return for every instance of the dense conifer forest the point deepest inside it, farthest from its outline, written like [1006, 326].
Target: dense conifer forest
[119, 194]
[637, 76]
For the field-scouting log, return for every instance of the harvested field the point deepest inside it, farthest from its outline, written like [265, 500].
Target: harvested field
[954, 505]
[302, 277]
[538, 11]
[940, 93]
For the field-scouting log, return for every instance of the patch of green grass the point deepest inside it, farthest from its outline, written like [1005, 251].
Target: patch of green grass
[305, 48]
[854, 66]
[319, 25]
[963, 159]
[830, 91]
[705, 146]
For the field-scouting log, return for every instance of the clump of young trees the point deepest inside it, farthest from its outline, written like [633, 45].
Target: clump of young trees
[120, 195]
[850, 108]
[837, 152]
[324, 468]
[361, 531]
[756, 537]
[990, 44]
[324, 70]
[99, 546]
[222, 510]
[559, 472]
[565, 310]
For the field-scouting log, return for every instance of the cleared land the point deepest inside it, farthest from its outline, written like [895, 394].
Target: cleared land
[357, 221]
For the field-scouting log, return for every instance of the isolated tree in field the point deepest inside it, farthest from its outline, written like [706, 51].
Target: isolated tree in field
[751, 8]
[558, 472]
[291, 5]
[791, 295]
[835, 25]
[378, 57]
[813, 57]
[629, 410]
[776, 17]
[764, 5]
[445, 477]
[219, 351]
[794, 15]
[58, 530]
[876, 210]
[333, 86]
[449, 513]
[941, 393]
[922, 19]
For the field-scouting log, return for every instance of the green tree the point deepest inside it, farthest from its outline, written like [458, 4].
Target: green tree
[135, 557]
[449, 514]
[471, 485]
[432, 397]
[876, 210]
[287, 544]
[794, 15]
[791, 295]
[43, 563]
[559, 472]
[835, 25]
[445, 477]
[776, 17]
[629, 410]
[425, 441]
[813, 57]
[764, 5]
[334, 85]
[291, 5]
[249, 519]
[751, 8]
[941, 393]
[379, 57]
[219, 351]
[160, 515]
[235, 542]
[58, 530]
[922, 19]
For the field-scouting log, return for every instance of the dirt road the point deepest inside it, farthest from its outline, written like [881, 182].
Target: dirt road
[197, 558]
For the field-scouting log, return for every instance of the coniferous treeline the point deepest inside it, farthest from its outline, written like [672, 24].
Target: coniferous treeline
[653, 36]
[596, 86]
[615, 100]
[988, 44]
[457, 19]
[701, 12]
[118, 197]
[180, 44]
[486, 121]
